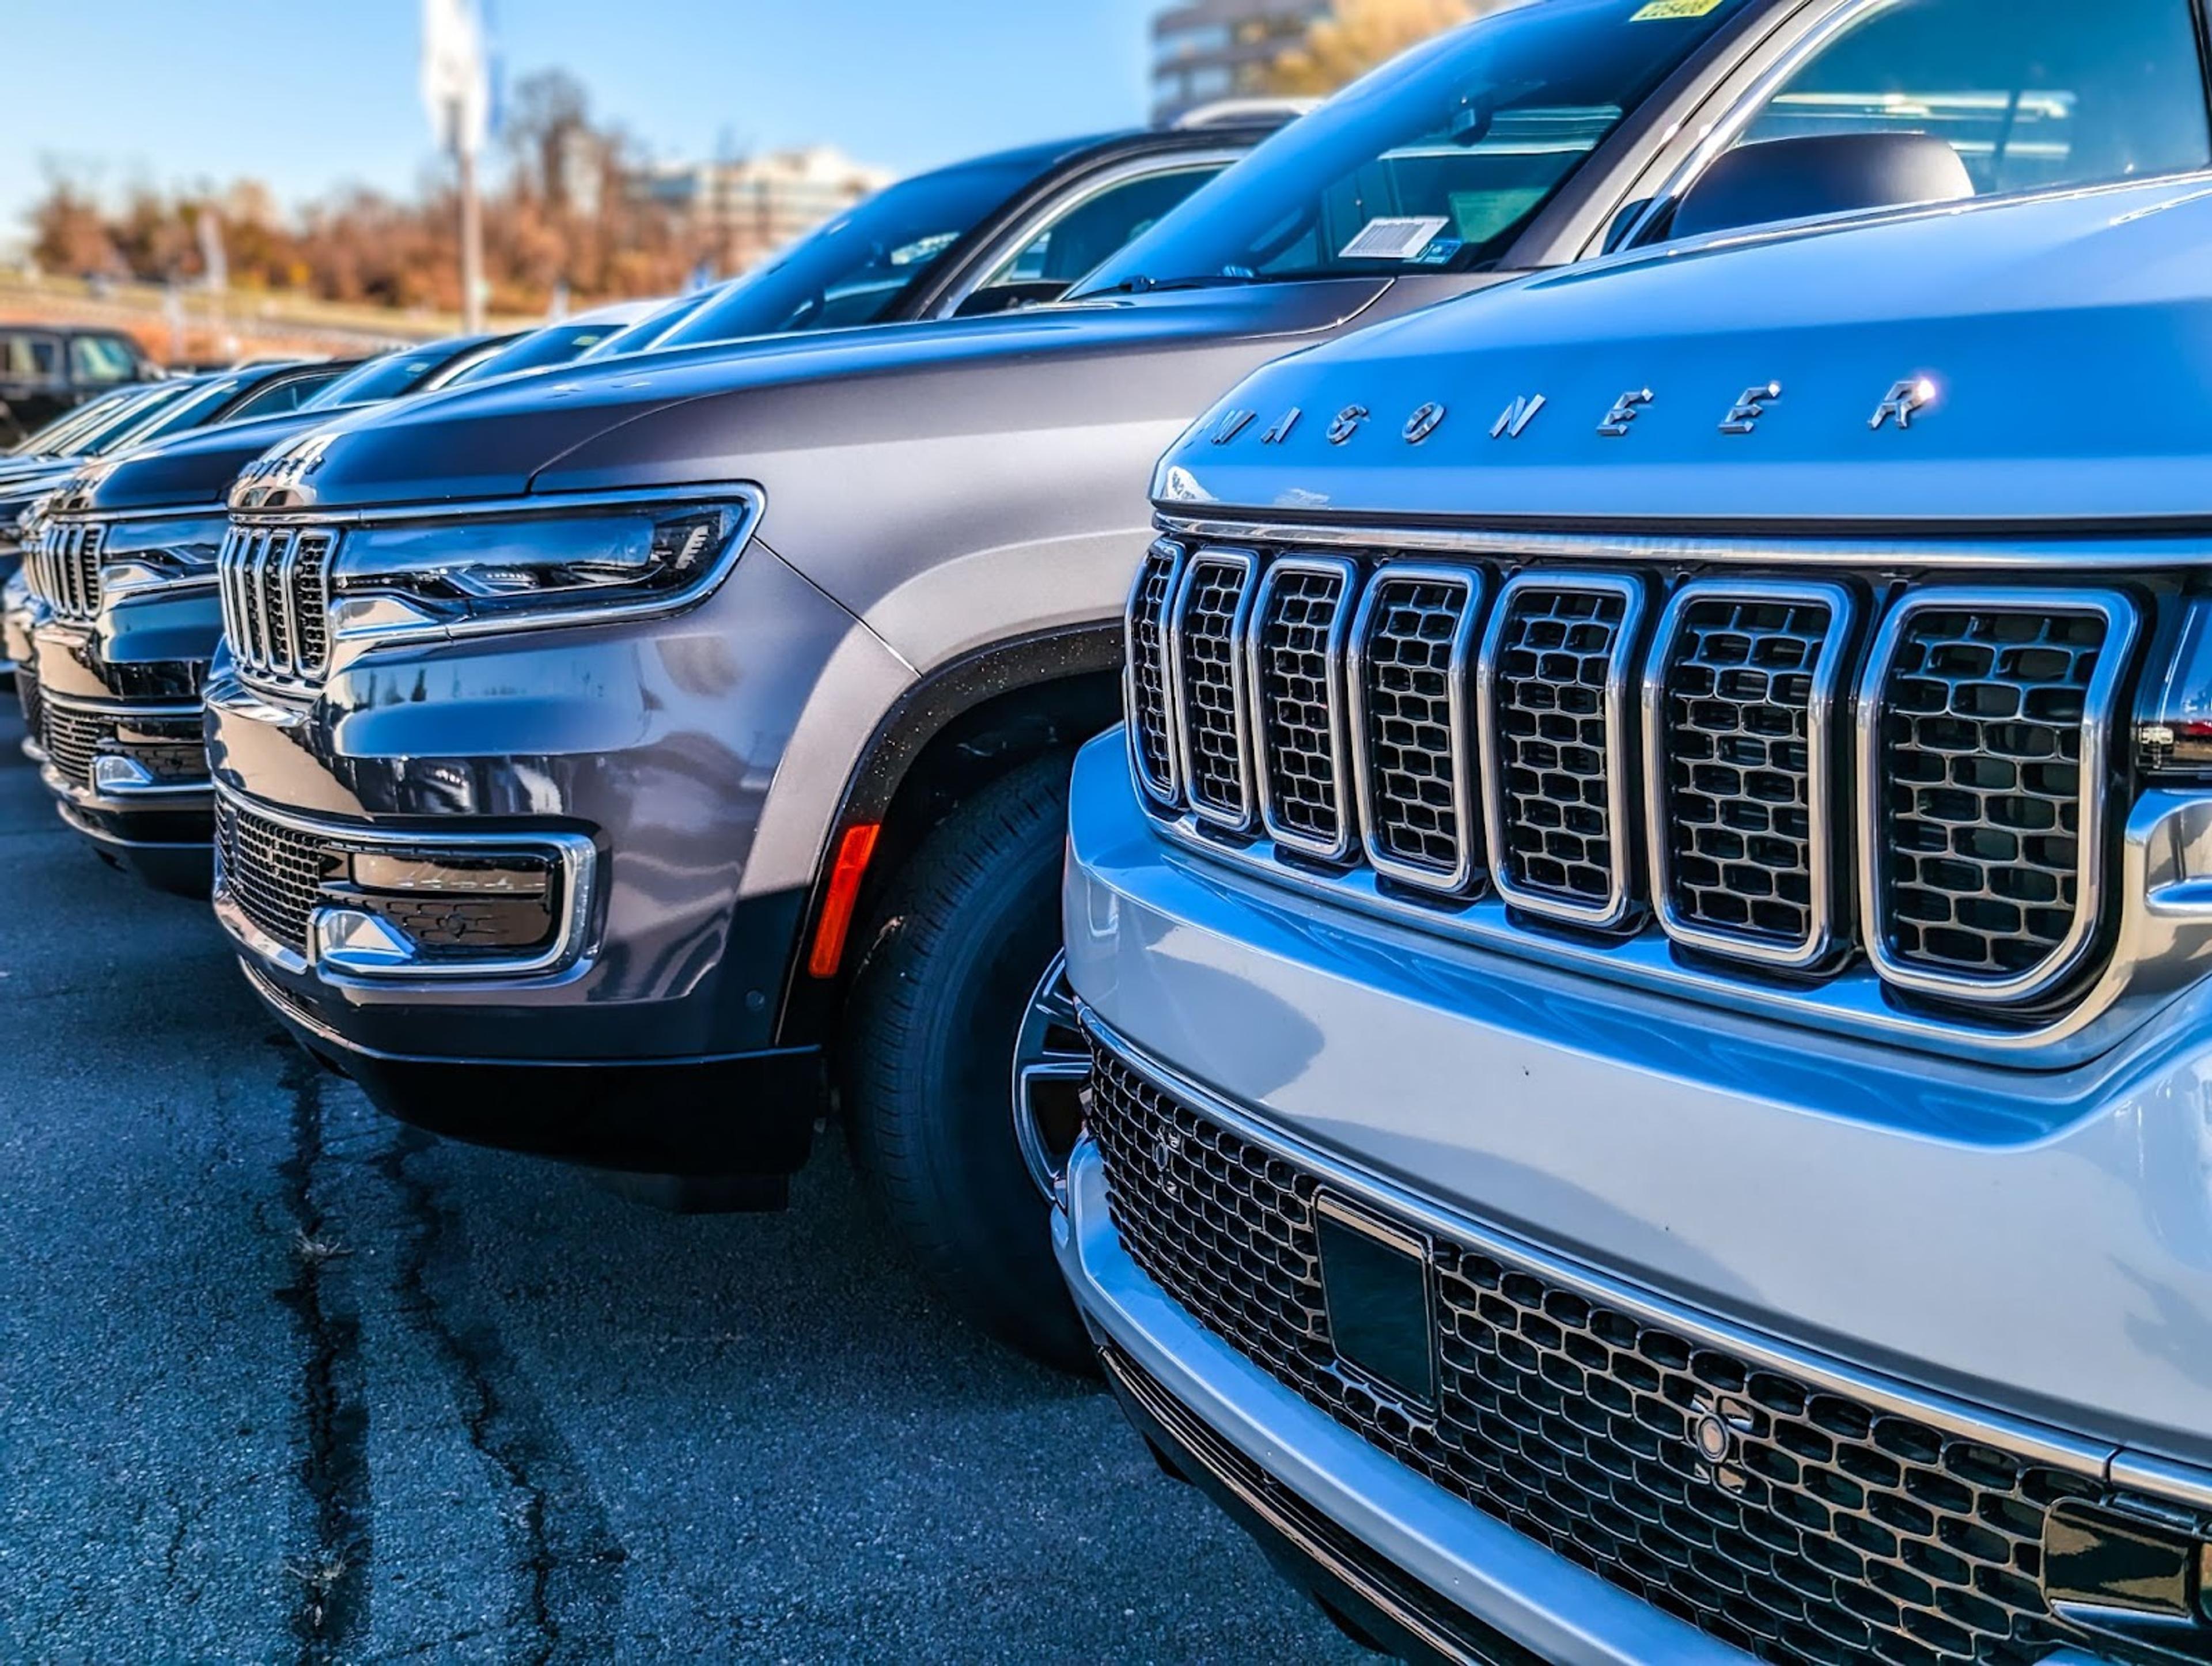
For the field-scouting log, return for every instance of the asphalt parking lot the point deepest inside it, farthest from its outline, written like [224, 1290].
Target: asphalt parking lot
[280, 1380]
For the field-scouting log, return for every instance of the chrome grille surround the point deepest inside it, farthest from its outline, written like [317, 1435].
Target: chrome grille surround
[1852, 1516]
[1556, 690]
[1301, 621]
[2136, 955]
[2087, 733]
[1205, 630]
[1419, 826]
[274, 581]
[64, 570]
[1812, 724]
[1147, 691]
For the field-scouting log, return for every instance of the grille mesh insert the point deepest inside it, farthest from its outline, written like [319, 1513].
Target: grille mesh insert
[1296, 694]
[1414, 783]
[72, 740]
[1735, 741]
[26, 696]
[271, 871]
[1554, 740]
[1206, 619]
[1981, 787]
[1831, 1532]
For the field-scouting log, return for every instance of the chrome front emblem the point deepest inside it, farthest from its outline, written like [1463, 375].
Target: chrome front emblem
[1424, 423]
[1744, 416]
[1283, 425]
[1165, 1152]
[1513, 421]
[1346, 423]
[1904, 401]
[1232, 424]
[1625, 410]
[1718, 1426]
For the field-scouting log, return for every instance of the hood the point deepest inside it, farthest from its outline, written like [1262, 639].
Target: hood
[694, 414]
[20, 490]
[2041, 361]
[193, 471]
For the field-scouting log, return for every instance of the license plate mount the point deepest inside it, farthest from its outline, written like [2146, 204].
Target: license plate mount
[1378, 1281]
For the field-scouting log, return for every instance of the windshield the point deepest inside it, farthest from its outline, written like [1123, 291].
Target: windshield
[127, 420]
[648, 330]
[58, 435]
[172, 417]
[857, 268]
[386, 377]
[558, 343]
[1436, 162]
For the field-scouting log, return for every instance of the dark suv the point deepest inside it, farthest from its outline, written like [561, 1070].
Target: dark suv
[47, 370]
[600, 774]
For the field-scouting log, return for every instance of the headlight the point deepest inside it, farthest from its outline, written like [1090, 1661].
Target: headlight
[140, 553]
[550, 564]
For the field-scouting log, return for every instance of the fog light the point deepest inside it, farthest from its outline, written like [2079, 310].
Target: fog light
[391, 912]
[111, 773]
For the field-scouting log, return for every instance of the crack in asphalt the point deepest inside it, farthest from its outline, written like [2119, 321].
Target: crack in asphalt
[334, 1467]
[570, 1561]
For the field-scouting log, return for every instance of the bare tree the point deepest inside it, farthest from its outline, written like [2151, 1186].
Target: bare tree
[1354, 36]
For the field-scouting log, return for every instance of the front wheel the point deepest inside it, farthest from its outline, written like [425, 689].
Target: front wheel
[963, 1064]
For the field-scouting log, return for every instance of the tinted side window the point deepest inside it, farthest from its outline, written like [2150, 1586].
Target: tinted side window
[1083, 234]
[2030, 93]
[33, 358]
[101, 359]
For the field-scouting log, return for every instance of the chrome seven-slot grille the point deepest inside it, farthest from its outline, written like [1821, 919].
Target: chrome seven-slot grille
[64, 570]
[1830, 1532]
[272, 872]
[1597, 751]
[276, 600]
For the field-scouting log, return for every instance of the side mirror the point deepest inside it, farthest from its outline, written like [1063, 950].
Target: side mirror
[1758, 185]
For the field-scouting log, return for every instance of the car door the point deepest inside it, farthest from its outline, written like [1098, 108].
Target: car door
[1081, 221]
[2032, 94]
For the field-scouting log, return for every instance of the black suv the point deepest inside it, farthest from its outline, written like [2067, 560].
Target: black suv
[47, 370]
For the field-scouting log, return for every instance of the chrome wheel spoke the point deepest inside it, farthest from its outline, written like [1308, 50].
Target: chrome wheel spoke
[1050, 1067]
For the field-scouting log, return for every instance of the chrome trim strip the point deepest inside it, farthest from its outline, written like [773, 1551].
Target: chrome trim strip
[1619, 750]
[1346, 575]
[1828, 675]
[574, 856]
[2022, 1437]
[2099, 703]
[1247, 563]
[1460, 715]
[2163, 942]
[1166, 793]
[2129, 555]
[551, 505]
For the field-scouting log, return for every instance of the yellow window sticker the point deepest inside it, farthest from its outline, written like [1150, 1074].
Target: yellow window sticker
[1658, 10]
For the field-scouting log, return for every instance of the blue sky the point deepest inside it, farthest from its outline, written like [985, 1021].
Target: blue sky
[306, 96]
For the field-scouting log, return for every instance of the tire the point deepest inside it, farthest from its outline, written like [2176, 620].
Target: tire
[963, 935]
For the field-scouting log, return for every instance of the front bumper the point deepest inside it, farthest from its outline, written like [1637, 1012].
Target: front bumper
[649, 747]
[2034, 1246]
[118, 729]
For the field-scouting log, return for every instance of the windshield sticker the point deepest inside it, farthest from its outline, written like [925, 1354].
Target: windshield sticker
[1393, 239]
[1660, 10]
[1439, 252]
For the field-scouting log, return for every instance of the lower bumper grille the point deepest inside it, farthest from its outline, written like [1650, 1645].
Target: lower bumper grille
[1826, 1531]
[72, 740]
[27, 695]
[271, 871]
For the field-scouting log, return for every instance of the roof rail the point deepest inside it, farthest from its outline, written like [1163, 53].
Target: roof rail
[1231, 112]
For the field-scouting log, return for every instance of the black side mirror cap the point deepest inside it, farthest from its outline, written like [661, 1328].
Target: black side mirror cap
[1777, 179]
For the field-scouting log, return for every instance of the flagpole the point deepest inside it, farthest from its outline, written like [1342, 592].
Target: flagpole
[472, 320]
